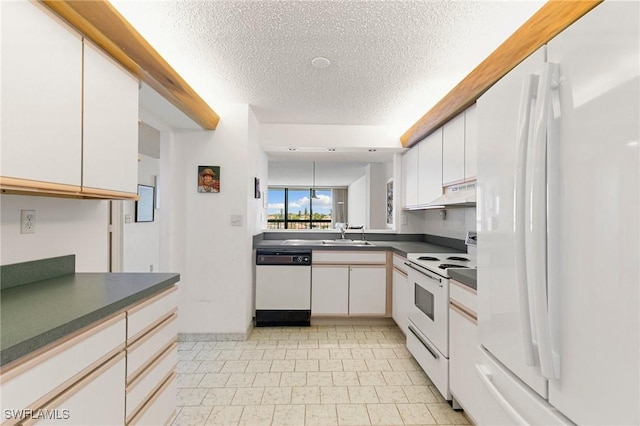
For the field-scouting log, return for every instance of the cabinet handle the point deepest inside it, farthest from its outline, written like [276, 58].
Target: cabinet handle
[462, 311]
[433, 353]
[422, 271]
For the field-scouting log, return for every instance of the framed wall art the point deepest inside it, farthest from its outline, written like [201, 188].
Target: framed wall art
[208, 179]
[144, 205]
[256, 187]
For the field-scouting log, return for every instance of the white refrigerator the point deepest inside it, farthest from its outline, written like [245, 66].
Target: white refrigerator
[558, 228]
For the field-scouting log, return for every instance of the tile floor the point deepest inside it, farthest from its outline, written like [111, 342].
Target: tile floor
[319, 375]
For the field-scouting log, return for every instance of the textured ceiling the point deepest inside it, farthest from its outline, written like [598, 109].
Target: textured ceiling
[390, 60]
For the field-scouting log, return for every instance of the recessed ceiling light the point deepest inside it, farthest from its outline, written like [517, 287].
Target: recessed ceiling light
[331, 149]
[293, 149]
[320, 62]
[372, 150]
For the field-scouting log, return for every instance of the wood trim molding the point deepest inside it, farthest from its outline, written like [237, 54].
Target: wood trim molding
[165, 384]
[101, 23]
[66, 391]
[546, 23]
[134, 339]
[466, 313]
[152, 299]
[20, 365]
[108, 194]
[19, 186]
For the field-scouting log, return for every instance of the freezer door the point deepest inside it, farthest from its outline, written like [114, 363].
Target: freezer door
[503, 318]
[518, 405]
[593, 243]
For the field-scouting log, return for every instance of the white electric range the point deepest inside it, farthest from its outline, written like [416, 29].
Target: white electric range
[428, 340]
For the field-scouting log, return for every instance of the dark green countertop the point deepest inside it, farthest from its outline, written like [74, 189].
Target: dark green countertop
[468, 277]
[36, 314]
[400, 247]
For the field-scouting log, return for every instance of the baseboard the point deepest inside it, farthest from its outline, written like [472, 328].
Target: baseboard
[351, 321]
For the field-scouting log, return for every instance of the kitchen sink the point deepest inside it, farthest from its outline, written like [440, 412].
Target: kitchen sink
[346, 242]
[336, 242]
[302, 243]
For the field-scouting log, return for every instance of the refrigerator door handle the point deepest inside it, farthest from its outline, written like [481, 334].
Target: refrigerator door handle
[485, 377]
[536, 237]
[529, 89]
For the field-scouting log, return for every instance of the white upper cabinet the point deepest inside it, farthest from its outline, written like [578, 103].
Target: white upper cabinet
[110, 130]
[459, 148]
[410, 177]
[69, 113]
[453, 150]
[430, 168]
[41, 96]
[470, 143]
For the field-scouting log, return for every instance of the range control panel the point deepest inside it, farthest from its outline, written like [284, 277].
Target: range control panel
[271, 257]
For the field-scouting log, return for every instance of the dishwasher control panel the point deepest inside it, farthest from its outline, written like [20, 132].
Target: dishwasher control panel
[272, 257]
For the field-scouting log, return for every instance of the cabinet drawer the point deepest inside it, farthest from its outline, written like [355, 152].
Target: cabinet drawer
[398, 263]
[35, 382]
[95, 400]
[349, 257]
[465, 296]
[143, 317]
[150, 380]
[149, 347]
[160, 407]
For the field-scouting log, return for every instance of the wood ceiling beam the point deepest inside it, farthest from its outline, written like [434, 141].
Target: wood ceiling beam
[553, 17]
[101, 23]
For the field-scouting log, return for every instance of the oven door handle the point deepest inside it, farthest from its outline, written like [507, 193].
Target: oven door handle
[433, 353]
[412, 266]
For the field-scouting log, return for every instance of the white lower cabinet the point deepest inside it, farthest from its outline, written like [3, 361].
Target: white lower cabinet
[79, 405]
[367, 290]
[349, 284]
[464, 382]
[329, 290]
[400, 294]
[98, 376]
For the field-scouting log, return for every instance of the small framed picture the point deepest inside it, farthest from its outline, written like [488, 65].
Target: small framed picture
[208, 179]
[256, 190]
[144, 205]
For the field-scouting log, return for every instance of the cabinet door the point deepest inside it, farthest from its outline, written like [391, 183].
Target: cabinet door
[400, 299]
[329, 290]
[367, 290]
[410, 177]
[98, 399]
[453, 138]
[41, 96]
[430, 165]
[466, 387]
[470, 142]
[110, 126]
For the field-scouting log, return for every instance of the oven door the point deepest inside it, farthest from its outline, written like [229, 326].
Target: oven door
[430, 306]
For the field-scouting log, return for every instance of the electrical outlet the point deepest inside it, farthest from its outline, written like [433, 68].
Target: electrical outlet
[27, 221]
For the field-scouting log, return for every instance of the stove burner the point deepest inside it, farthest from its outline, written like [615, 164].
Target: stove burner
[428, 258]
[450, 265]
[458, 258]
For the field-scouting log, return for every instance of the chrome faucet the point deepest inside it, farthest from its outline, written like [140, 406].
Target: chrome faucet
[342, 227]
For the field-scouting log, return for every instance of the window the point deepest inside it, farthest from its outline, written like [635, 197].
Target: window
[293, 208]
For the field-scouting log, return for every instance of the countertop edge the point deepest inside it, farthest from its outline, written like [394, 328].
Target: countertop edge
[467, 277]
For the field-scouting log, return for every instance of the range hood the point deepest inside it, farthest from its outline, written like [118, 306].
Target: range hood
[463, 195]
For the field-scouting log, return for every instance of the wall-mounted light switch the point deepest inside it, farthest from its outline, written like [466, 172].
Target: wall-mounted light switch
[236, 220]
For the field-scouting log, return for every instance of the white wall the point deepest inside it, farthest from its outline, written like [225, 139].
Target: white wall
[455, 224]
[63, 226]
[357, 202]
[377, 175]
[141, 240]
[213, 257]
